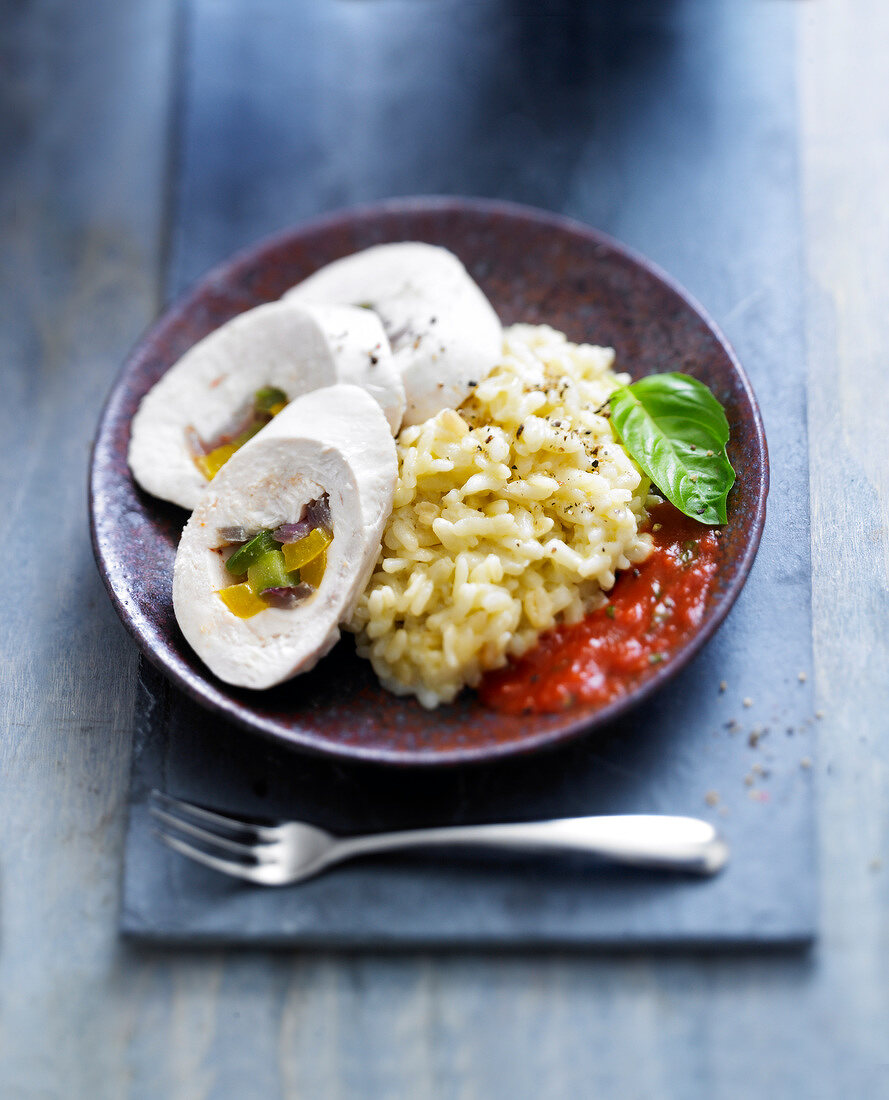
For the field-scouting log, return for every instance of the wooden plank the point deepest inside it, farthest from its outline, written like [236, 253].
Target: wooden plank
[845, 142]
[82, 189]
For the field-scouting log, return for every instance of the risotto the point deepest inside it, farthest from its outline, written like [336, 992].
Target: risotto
[511, 514]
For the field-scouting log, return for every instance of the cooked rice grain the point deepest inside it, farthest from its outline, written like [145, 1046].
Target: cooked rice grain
[510, 515]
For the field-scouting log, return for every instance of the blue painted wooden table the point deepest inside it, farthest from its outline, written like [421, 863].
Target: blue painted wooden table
[745, 147]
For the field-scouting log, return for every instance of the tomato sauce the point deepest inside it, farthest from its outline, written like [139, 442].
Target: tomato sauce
[652, 608]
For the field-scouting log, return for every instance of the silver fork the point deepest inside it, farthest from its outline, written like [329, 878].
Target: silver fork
[291, 851]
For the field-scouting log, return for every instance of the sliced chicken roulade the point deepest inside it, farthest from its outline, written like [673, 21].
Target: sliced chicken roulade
[233, 382]
[444, 333]
[283, 541]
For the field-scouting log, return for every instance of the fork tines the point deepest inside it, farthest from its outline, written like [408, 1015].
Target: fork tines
[232, 845]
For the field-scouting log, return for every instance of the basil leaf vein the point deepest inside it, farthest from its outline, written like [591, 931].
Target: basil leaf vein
[676, 431]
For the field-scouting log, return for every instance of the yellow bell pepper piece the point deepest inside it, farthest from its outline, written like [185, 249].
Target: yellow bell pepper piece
[210, 464]
[299, 554]
[241, 600]
[313, 571]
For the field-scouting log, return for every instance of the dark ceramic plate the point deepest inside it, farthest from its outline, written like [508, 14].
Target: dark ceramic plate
[534, 267]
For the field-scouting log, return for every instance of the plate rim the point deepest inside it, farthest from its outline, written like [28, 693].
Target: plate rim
[208, 695]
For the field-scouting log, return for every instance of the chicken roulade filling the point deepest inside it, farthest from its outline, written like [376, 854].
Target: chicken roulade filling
[210, 457]
[276, 568]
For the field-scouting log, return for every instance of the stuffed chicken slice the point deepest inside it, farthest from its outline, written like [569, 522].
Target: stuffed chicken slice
[444, 333]
[232, 383]
[362, 355]
[284, 539]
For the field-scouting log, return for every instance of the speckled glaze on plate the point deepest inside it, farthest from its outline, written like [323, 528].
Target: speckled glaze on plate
[534, 267]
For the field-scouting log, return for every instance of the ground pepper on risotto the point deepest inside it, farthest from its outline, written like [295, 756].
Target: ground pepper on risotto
[511, 514]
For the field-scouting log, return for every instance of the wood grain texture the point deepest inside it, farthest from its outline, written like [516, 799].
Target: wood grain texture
[86, 89]
[845, 142]
[82, 156]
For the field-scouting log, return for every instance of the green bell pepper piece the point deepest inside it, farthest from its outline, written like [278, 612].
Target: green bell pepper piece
[265, 400]
[269, 571]
[251, 552]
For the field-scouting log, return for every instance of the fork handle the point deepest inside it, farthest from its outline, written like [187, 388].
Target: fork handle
[649, 840]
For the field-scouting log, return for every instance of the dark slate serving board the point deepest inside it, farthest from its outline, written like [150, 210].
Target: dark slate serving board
[610, 113]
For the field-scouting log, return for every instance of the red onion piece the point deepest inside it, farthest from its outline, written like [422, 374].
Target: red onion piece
[285, 598]
[317, 513]
[234, 534]
[194, 442]
[292, 532]
[243, 420]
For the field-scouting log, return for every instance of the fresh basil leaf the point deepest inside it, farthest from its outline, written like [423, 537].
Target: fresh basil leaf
[676, 431]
